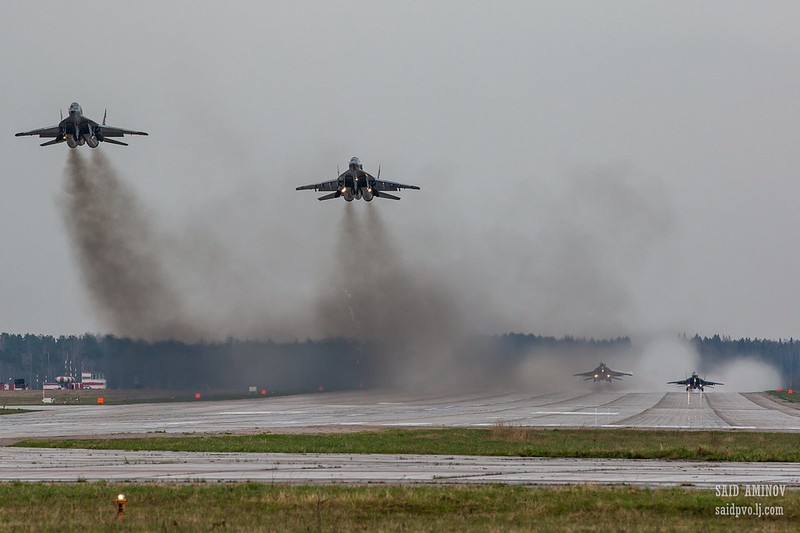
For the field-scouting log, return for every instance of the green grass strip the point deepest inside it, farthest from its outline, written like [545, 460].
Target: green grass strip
[784, 395]
[89, 507]
[4, 411]
[499, 441]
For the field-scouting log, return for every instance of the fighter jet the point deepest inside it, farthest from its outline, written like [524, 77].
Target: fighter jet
[602, 373]
[77, 130]
[355, 184]
[695, 382]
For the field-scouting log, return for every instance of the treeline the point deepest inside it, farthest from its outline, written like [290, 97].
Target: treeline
[128, 363]
[783, 355]
[330, 363]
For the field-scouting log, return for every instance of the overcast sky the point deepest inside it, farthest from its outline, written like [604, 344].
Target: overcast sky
[587, 168]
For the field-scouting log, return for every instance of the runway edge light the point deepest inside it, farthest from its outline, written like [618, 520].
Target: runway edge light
[120, 501]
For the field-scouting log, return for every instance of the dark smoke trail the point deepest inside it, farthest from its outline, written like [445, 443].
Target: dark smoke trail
[118, 254]
[375, 297]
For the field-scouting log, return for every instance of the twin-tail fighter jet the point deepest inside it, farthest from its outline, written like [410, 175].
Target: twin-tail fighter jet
[602, 373]
[355, 184]
[77, 130]
[694, 382]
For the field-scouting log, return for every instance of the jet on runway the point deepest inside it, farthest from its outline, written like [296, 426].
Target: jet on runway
[602, 373]
[355, 184]
[77, 130]
[695, 382]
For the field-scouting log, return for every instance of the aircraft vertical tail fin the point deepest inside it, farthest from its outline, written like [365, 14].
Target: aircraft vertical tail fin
[105, 112]
[61, 112]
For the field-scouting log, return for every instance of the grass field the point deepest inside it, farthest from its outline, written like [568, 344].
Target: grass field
[784, 395]
[89, 507]
[4, 411]
[500, 440]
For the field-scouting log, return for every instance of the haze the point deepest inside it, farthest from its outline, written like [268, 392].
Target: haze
[592, 169]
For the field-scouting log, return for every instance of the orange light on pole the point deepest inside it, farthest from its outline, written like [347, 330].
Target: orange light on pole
[790, 391]
[100, 400]
[120, 501]
[197, 396]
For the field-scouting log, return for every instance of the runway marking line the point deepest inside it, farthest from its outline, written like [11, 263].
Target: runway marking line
[585, 413]
[264, 413]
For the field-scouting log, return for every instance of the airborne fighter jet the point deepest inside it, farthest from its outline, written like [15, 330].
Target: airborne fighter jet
[694, 382]
[602, 373]
[355, 184]
[77, 130]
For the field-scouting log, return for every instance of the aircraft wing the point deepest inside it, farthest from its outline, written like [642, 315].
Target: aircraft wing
[710, 383]
[681, 382]
[52, 131]
[615, 373]
[383, 185]
[582, 374]
[332, 185]
[109, 131]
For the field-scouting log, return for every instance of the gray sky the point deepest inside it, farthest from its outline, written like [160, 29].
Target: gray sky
[587, 168]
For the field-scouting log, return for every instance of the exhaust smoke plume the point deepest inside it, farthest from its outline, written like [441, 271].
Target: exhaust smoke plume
[118, 253]
[598, 239]
[747, 375]
[414, 325]
[673, 359]
[659, 360]
[373, 296]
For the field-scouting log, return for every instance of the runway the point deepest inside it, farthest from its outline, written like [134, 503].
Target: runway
[345, 411]
[576, 409]
[35, 464]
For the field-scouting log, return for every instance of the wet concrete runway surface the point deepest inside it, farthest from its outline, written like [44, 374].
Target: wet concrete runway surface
[35, 464]
[656, 410]
[340, 411]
